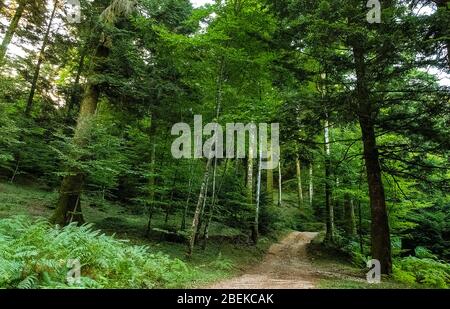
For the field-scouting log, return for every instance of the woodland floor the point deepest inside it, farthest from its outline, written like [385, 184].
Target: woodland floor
[298, 260]
[296, 263]
[285, 266]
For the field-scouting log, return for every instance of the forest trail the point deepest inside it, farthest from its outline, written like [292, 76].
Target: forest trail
[286, 266]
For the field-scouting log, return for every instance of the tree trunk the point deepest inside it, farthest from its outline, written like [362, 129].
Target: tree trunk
[329, 236]
[311, 184]
[212, 207]
[249, 185]
[75, 91]
[186, 206]
[269, 178]
[202, 211]
[149, 222]
[11, 30]
[151, 187]
[255, 230]
[269, 184]
[360, 231]
[349, 216]
[299, 182]
[380, 234]
[201, 197]
[68, 208]
[204, 188]
[172, 193]
[279, 185]
[39, 63]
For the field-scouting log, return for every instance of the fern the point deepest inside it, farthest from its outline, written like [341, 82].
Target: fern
[27, 283]
[35, 254]
[426, 271]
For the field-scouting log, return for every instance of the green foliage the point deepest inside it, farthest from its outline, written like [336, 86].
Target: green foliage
[426, 271]
[9, 137]
[34, 254]
[222, 263]
[258, 61]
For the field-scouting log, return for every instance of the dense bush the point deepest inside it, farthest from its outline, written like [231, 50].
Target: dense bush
[34, 254]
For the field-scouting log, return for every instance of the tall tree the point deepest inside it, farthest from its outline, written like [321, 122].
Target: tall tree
[329, 209]
[311, 185]
[68, 208]
[255, 231]
[12, 29]
[41, 56]
[279, 185]
[299, 181]
[32, 11]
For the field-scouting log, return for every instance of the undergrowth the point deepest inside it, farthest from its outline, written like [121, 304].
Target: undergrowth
[34, 254]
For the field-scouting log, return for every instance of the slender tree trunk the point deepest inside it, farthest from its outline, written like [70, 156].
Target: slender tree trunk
[380, 234]
[269, 180]
[68, 208]
[198, 208]
[203, 190]
[255, 230]
[329, 236]
[75, 92]
[336, 203]
[269, 185]
[11, 30]
[186, 207]
[172, 193]
[151, 185]
[202, 211]
[311, 184]
[349, 216]
[279, 185]
[360, 231]
[149, 222]
[249, 185]
[213, 200]
[299, 182]
[16, 169]
[212, 207]
[40, 60]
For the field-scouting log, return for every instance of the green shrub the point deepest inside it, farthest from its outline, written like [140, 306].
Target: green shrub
[427, 271]
[34, 254]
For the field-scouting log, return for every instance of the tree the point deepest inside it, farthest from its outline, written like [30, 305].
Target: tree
[69, 204]
[40, 59]
[35, 8]
[299, 181]
[338, 37]
[11, 29]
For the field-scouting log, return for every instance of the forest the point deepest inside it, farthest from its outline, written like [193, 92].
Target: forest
[115, 116]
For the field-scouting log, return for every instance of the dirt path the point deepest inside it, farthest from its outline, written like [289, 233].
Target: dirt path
[286, 266]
